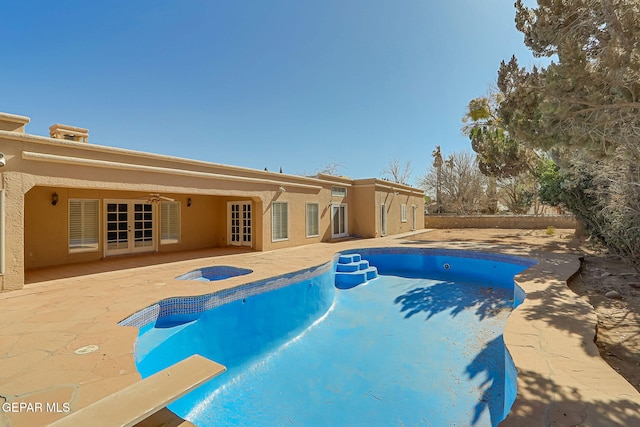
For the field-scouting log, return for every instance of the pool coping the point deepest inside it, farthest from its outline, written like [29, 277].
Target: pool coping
[188, 305]
[561, 380]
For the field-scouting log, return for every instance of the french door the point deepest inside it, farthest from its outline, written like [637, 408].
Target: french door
[240, 224]
[129, 226]
[339, 221]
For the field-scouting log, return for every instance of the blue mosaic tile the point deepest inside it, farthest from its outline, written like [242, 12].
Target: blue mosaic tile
[198, 304]
[216, 272]
[459, 253]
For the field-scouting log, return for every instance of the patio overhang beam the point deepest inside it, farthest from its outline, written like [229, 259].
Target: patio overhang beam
[79, 161]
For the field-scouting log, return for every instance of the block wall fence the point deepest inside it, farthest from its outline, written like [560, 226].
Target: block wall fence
[500, 221]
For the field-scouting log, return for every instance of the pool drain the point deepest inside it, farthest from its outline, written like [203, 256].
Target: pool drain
[86, 349]
[446, 266]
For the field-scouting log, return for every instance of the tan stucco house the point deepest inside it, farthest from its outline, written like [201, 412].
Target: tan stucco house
[64, 200]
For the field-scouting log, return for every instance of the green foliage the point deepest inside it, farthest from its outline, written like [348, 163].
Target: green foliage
[550, 231]
[509, 163]
[498, 154]
[589, 96]
[551, 191]
[585, 106]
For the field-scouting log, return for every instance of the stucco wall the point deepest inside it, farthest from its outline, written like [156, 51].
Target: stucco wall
[393, 204]
[297, 204]
[197, 229]
[499, 221]
[371, 194]
[36, 232]
[46, 226]
[364, 201]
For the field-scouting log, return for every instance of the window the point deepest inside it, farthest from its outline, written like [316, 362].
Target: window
[313, 210]
[83, 225]
[403, 213]
[279, 221]
[169, 222]
[339, 191]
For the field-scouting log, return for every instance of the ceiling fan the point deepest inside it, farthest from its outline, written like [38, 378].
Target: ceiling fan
[155, 198]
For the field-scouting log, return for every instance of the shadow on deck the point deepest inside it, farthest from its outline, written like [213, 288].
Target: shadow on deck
[123, 262]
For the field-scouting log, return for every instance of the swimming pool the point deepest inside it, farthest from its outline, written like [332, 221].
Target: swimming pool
[213, 273]
[420, 345]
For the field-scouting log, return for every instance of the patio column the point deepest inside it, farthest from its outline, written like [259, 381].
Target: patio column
[12, 232]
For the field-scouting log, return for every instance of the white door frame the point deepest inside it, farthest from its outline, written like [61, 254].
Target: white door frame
[344, 221]
[134, 224]
[383, 220]
[240, 223]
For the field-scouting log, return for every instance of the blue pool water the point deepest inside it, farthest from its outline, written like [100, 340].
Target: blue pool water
[420, 345]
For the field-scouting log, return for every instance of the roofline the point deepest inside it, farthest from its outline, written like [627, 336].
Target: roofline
[376, 182]
[14, 118]
[313, 182]
[154, 156]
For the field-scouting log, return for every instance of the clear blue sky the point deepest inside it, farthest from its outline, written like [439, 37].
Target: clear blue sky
[279, 83]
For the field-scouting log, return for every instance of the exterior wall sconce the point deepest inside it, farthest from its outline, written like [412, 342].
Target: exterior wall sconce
[54, 199]
[189, 202]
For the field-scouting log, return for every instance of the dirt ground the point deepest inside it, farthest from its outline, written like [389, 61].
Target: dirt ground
[611, 286]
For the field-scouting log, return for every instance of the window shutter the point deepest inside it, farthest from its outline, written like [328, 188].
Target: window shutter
[169, 222]
[75, 223]
[312, 219]
[279, 221]
[83, 225]
[90, 223]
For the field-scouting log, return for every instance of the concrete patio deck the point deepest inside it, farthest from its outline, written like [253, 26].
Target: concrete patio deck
[562, 380]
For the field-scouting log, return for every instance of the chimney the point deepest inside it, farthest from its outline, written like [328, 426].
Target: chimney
[13, 123]
[69, 133]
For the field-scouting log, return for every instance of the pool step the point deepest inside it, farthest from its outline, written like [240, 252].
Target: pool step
[352, 266]
[352, 270]
[349, 258]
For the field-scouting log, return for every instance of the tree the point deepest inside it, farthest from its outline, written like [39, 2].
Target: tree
[331, 168]
[585, 105]
[518, 193]
[508, 163]
[551, 184]
[398, 174]
[462, 184]
[437, 164]
[498, 154]
[589, 96]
